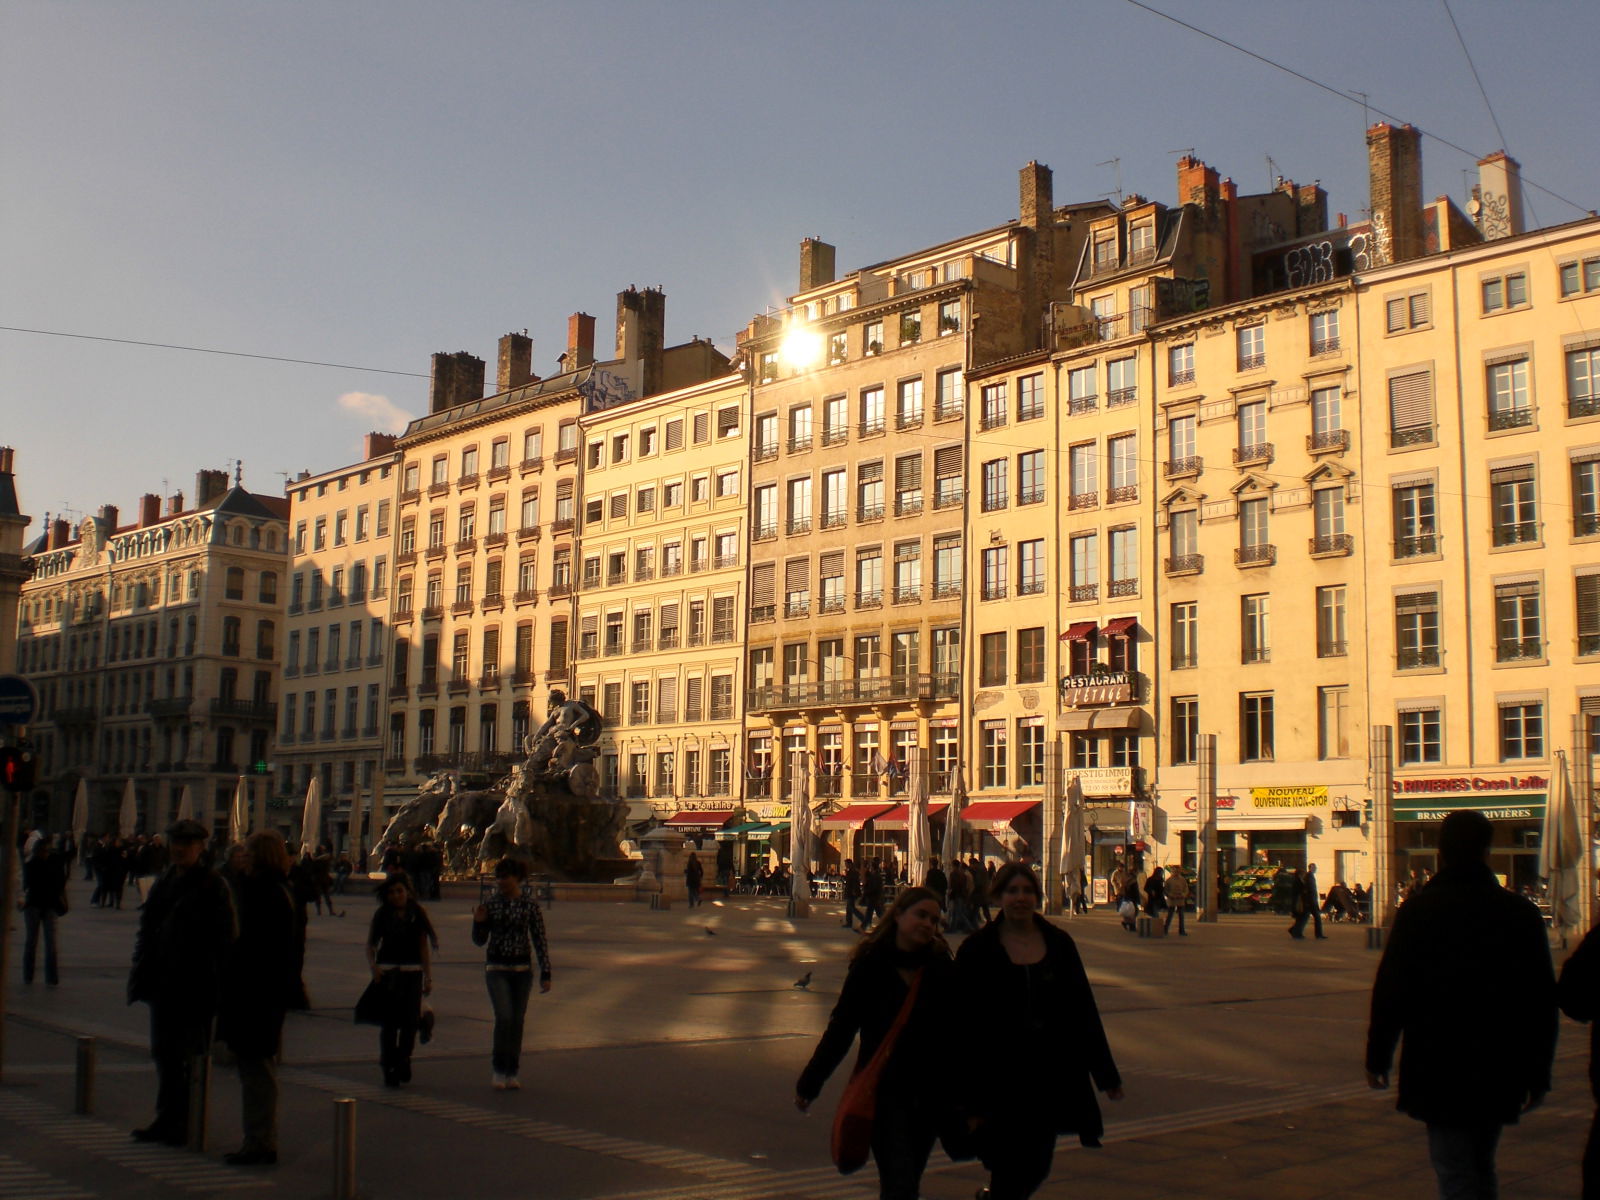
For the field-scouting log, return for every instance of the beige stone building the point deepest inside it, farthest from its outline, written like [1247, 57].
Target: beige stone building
[659, 611]
[14, 568]
[487, 538]
[336, 642]
[155, 648]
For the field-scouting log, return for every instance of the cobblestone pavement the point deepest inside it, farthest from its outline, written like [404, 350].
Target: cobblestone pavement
[661, 1067]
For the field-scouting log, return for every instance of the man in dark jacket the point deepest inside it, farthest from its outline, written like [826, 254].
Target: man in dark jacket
[44, 898]
[185, 930]
[1579, 993]
[1466, 981]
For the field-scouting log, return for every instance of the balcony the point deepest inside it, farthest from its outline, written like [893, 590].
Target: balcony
[668, 640]
[836, 435]
[1262, 554]
[1416, 546]
[427, 689]
[494, 602]
[722, 710]
[406, 558]
[1030, 495]
[907, 506]
[766, 452]
[399, 691]
[614, 647]
[587, 653]
[1082, 500]
[1417, 659]
[994, 591]
[557, 675]
[948, 497]
[1584, 406]
[411, 496]
[1510, 418]
[1411, 435]
[461, 608]
[698, 564]
[869, 512]
[672, 568]
[1255, 454]
[560, 591]
[500, 472]
[723, 561]
[528, 533]
[949, 412]
[1519, 649]
[835, 518]
[589, 581]
[831, 604]
[1332, 649]
[642, 645]
[1080, 593]
[1333, 545]
[995, 501]
[174, 706]
[1031, 587]
[491, 540]
[1328, 441]
[870, 428]
[522, 677]
[1122, 495]
[433, 552]
[526, 596]
[798, 525]
[643, 573]
[907, 688]
[1117, 397]
[433, 612]
[947, 591]
[722, 635]
[800, 445]
[796, 608]
[458, 687]
[1082, 405]
[907, 594]
[1252, 362]
[562, 525]
[872, 599]
[467, 482]
[760, 614]
[439, 488]
[1177, 468]
[992, 419]
[489, 681]
[1185, 564]
[1255, 654]
[1325, 345]
[568, 454]
[529, 465]
[908, 420]
[1515, 533]
[1178, 378]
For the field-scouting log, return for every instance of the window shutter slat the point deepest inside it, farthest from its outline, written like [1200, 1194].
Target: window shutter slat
[1410, 401]
[764, 583]
[797, 575]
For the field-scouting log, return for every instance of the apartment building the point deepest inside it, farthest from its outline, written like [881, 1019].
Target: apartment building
[337, 632]
[14, 570]
[659, 607]
[155, 649]
[487, 527]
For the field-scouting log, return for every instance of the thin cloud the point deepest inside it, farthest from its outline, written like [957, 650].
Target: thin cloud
[379, 411]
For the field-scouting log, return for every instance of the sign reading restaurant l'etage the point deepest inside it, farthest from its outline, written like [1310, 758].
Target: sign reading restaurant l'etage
[1111, 687]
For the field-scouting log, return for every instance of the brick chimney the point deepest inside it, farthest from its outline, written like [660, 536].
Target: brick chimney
[1394, 165]
[580, 342]
[816, 263]
[1036, 213]
[516, 361]
[1198, 184]
[209, 486]
[457, 379]
[378, 445]
[641, 334]
[174, 504]
[60, 533]
[1499, 197]
[108, 517]
[149, 510]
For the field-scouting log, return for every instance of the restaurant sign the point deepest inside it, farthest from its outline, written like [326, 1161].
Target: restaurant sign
[1103, 781]
[1111, 687]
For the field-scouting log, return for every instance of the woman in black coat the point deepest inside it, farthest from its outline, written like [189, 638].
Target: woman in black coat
[1025, 967]
[912, 1106]
[400, 946]
[261, 982]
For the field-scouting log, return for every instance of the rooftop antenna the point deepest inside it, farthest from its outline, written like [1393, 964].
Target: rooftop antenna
[238, 472]
[1189, 150]
[1366, 117]
[1273, 177]
[1116, 165]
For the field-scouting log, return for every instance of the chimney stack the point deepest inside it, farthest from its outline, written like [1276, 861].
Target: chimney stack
[108, 517]
[209, 486]
[60, 533]
[580, 342]
[641, 334]
[379, 445]
[457, 379]
[7, 454]
[516, 361]
[149, 510]
[816, 263]
[1394, 165]
[1198, 184]
[174, 504]
[1499, 197]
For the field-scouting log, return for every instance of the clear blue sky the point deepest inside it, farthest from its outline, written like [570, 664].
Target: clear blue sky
[368, 182]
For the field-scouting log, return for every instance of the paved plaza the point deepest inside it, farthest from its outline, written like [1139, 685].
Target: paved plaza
[662, 1065]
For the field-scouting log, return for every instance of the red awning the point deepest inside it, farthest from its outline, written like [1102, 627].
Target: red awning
[853, 816]
[996, 814]
[899, 817]
[1121, 627]
[705, 818]
[1079, 631]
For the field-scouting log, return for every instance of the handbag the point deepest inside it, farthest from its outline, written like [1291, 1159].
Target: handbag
[852, 1122]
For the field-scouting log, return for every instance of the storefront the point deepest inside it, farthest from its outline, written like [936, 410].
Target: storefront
[1005, 829]
[890, 832]
[841, 831]
[1515, 807]
[699, 824]
[1261, 832]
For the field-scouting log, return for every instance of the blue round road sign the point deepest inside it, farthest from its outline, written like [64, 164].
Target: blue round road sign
[18, 701]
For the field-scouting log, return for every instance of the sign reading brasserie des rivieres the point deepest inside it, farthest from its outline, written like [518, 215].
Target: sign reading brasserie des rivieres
[1498, 797]
[1114, 687]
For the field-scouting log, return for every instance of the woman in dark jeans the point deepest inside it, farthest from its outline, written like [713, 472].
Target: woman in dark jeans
[913, 1092]
[510, 924]
[399, 951]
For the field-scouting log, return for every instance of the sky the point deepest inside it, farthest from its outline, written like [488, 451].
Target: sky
[367, 182]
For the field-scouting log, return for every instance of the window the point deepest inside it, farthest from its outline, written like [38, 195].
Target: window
[1504, 291]
[1185, 747]
[949, 317]
[995, 494]
[1141, 242]
[835, 498]
[1583, 382]
[1415, 533]
[1030, 655]
[1416, 630]
[727, 484]
[1518, 626]
[1180, 364]
[1084, 566]
[1085, 750]
[1255, 629]
[995, 565]
[1587, 598]
[1507, 390]
[871, 411]
[1405, 313]
[947, 571]
[1122, 468]
[1327, 508]
[872, 338]
[1184, 623]
[1521, 730]
[1030, 567]
[869, 577]
[1252, 345]
[835, 421]
[992, 660]
[799, 428]
[672, 494]
[949, 395]
[1122, 381]
[699, 489]
[908, 404]
[1325, 331]
[869, 491]
[1181, 445]
[1124, 561]
[1183, 539]
[766, 509]
[1586, 495]
[1252, 431]
[1420, 737]
[1030, 397]
[908, 484]
[907, 572]
[1082, 385]
[441, 471]
[1515, 505]
[1030, 751]
[1030, 477]
[728, 422]
[1333, 722]
[1332, 638]
[1255, 727]
[1580, 277]
[1254, 535]
[992, 768]
[994, 405]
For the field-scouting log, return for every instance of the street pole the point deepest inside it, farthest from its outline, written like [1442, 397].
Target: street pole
[1583, 797]
[1380, 759]
[8, 904]
[1205, 835]
[1053, 817]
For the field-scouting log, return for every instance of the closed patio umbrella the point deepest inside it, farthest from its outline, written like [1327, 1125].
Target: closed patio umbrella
[80, 811]
[239, 816]
[919, 837]
[1560, 848]
[128, 814]
[311, 815]
[185, 805]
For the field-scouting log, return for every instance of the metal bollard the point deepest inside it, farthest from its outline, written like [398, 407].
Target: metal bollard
[83, 1088]
[1374, 937]
[344, 1149]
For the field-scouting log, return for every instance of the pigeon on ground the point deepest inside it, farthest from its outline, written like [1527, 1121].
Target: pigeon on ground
[804, 981]
[710, 932]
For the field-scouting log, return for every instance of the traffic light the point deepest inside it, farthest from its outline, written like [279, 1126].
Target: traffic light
[17, 766]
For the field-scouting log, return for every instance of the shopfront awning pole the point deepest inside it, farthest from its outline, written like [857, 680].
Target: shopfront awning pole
[1207, 887]
[1380, 758]
[1050, 833]
[1583, 797]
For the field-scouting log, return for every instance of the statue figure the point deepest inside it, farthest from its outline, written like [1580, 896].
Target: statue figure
[418, 813]
[566, 738]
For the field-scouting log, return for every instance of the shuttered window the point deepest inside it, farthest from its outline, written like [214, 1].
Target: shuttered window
[1588, 601]
[695, 700]
[797, 575]
[675, 435]
[1415, 602]
[589, 625]
[764, 583]
[869, 473]
[727, 421]
[669, 617]
[832, 563]
[619, 506]
[908, 473]
[1411, 402]
[702, 428]
[667, 700]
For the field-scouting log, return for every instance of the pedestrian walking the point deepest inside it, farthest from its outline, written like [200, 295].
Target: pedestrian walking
[510, 924]
[901, 973]
[186, 928]
[400, 945]
[1300, 904]
[1127, 902]
[872, 893]
[693, 876]
[44, 901]
[936, 881]
[1155, 893]
[260, 984]
[852, 892]
[1176, 887]
[1466, 988]
[960, 901]
[982, 878]
[1579, 993]
[1314, 900]
[1029, 969]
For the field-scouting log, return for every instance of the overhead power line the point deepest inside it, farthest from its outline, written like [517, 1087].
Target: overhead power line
[305, 362]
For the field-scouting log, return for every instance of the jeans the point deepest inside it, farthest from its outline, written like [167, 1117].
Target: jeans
[1463, 1160]
[902, 1139]
[179, 1037]
[508, 996]
[852, 914]
[397, 1036]
[258, 1101]
[34, 918]
[1176, 908]
[1018, 1151]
